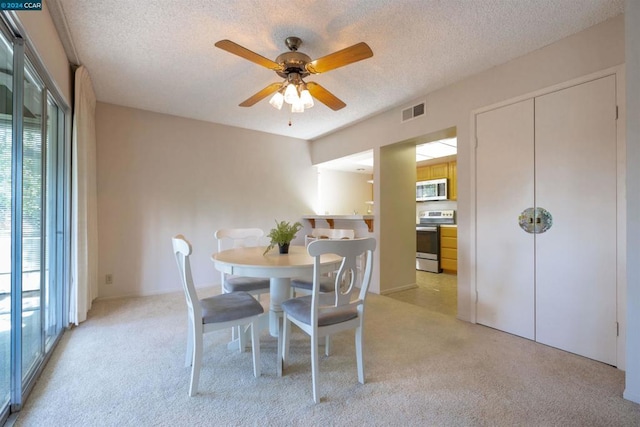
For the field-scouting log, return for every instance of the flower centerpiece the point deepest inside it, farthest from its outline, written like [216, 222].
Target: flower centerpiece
[282, 235]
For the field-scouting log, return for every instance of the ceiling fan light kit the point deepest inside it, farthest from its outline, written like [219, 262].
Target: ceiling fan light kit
[297, 107]
[293, 66]
[277, 100]
[306, 98]
[291, 94]
[296, 94]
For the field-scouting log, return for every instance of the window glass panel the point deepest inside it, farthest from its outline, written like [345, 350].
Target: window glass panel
[6, 107]
[32, 225]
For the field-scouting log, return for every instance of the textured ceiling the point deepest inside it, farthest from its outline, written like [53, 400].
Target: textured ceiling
[159, 55]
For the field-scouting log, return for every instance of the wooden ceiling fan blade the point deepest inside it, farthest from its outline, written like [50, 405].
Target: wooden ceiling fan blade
[324, 96]
[245, 53]
[261, 94]
[343, 57]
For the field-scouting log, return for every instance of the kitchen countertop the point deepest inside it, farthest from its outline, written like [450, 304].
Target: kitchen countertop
[368, 219]
[356, 217]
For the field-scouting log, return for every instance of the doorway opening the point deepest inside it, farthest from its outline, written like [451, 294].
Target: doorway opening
[436, 284]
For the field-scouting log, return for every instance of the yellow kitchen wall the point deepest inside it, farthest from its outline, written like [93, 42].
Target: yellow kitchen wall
[594, 49]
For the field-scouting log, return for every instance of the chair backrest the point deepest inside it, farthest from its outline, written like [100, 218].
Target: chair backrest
[182, 250]
[346, 277]
[238, 237]
[329, 233]
[229, 238]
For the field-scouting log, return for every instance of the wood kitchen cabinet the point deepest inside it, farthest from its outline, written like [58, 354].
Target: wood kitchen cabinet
[441, 170]
[423, 173]
[437, 171]
[449, 249]
[453, 181]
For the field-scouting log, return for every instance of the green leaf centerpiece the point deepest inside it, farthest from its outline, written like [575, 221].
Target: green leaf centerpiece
[282, 235]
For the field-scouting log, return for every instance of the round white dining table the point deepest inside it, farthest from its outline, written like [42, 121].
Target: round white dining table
[279, 268]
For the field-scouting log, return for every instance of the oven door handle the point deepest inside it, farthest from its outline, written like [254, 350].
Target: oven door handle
[426, 228]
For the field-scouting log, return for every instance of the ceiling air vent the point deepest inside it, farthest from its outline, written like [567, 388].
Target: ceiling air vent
[412, 112]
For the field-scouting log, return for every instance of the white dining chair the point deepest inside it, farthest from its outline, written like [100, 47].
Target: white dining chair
[304, 285]
[320, 315]
[229, 238]
[213, 314]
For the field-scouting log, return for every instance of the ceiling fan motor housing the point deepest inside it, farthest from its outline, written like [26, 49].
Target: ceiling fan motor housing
[293, 62]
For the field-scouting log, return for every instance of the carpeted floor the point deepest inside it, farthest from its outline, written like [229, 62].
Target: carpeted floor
[125, 367]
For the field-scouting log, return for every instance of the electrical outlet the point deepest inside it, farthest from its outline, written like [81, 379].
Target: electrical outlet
[108, 279]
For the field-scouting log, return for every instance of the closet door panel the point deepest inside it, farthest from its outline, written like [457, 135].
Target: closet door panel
[504, 252]
[575, 158]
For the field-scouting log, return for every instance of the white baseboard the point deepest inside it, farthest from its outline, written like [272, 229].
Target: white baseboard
[204, 288]
[399, 288]
[634, 397]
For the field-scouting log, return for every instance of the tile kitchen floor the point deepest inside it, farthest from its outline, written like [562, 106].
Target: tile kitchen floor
[435, 292]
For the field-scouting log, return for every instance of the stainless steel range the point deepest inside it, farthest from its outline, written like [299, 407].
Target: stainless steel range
[428, 238]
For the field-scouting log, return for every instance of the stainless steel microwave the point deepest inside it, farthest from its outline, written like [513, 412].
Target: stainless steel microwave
[435, 189]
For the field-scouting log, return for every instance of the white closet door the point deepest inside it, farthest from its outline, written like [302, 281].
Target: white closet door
[575, 157]
[504, 187]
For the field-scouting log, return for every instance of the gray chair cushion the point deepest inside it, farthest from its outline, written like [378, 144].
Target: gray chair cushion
[227, 307]
[300, 309]
[327, 284]
[245, 284]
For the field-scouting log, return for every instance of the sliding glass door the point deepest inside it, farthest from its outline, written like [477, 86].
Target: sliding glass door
[6, 183]
[34, 226]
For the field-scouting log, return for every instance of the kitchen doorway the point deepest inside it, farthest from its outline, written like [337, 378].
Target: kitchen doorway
[437, 287]
[436, 158]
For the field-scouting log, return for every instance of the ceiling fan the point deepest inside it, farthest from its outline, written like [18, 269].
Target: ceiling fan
[293, 66]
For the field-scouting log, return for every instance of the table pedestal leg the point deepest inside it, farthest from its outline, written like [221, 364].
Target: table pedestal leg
[279, 291]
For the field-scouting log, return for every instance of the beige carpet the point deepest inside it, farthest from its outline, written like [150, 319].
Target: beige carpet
[125, 367]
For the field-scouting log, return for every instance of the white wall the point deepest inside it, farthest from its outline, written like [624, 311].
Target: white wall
[343, 193]
[160, 175]
[594, 49]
